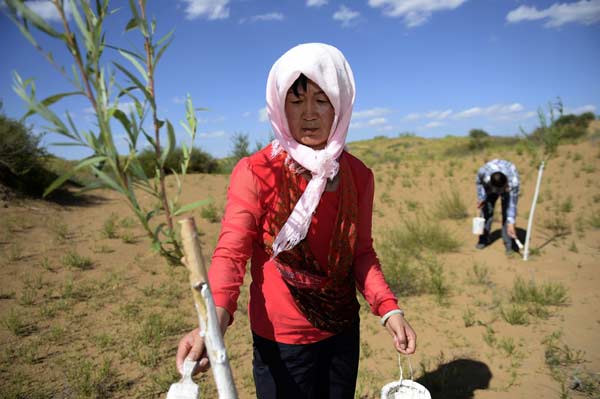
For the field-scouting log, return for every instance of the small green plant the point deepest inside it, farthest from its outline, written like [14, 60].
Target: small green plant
[479, 274]
[127, 237]
[437, 284]
[209, 212]
[412, 205]
[490, 336]
[28, 296]
[15, 252]
[595, 220]
[469, 318]
[508, 346]
[89, 380]
[573, 247]
[73, 260]
[451, 206]
[127, 222]
[45, 264]
[535, 299]
[109, 228]
[567, 205]
[515, 315]
[16, 324]
[61, 232]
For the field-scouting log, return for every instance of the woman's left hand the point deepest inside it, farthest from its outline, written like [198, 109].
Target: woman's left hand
[405, 339]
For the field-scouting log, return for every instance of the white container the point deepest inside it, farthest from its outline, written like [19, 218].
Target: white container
[478, 225]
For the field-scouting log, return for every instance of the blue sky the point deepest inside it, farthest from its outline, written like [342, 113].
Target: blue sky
[430, 67]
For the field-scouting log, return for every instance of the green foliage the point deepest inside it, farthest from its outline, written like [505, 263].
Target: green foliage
[199, 162]
[16, 324]
[529, 293]
[544, 140]
[109, 228]
[408, 270]
[74, 260]
[210, 213]
[241, 146]
[478, 139]
[22, 159]
[89, 380]
[106, 85]
[451, 206]
[515, 315]
[20, 149]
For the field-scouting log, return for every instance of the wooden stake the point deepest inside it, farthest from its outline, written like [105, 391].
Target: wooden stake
[207, 313]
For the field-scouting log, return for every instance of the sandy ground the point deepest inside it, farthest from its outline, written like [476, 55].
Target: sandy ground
[61, 323]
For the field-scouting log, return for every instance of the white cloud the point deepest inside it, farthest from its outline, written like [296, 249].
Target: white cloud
[414, 12]
[315, 3]
[585, 12]
[213, 134]
[178, 100]
[371, 113]
[493, 111]
[262, 115]
[345, 15]
[433, 124]
[47, 10]
[246, 114]
[385, 128]
[369, 123]
[211, 9]
[272, 16]
[580, 110]
[429, 115]
[377, 121]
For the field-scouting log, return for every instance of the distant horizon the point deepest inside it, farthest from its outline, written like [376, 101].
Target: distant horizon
[435, 69]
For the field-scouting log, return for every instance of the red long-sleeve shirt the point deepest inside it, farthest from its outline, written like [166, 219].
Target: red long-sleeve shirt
[272, 311]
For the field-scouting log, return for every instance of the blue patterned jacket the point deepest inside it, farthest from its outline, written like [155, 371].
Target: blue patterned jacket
[511, 173]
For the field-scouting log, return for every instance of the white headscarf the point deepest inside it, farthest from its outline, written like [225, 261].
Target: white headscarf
[327, 67]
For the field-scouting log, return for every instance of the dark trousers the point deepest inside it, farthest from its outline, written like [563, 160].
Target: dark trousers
[325, 369]
[487, 212]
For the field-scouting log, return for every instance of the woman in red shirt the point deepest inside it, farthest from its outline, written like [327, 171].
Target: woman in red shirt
[301, 211]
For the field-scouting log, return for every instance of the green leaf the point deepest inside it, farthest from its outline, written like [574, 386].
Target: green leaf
[137, 82]
[189, 207]
[58, 182]
[35, 19]
[161, 51]
[165, 37]
[52, 99]
[132, 24]
[109, 181]
[170, 144]
[83, 28]
[136, 64]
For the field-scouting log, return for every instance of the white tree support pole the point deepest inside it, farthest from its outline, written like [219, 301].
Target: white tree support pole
[207, 313]
[532, 211]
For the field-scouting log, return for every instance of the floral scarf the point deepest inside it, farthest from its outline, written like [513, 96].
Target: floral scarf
[326, 294]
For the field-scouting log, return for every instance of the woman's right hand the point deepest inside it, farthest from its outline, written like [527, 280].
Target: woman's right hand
[191, 346]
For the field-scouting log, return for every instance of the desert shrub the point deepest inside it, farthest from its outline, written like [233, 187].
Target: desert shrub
[200, 162]
[549, 294]
[210, 213]
[20, 148]
[423, 233]
[478, 139]
[22, 158]
[436, 282]
[88, 380]
[451, 206]
[515, 315]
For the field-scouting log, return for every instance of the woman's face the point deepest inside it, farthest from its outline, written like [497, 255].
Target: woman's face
[310, 115]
